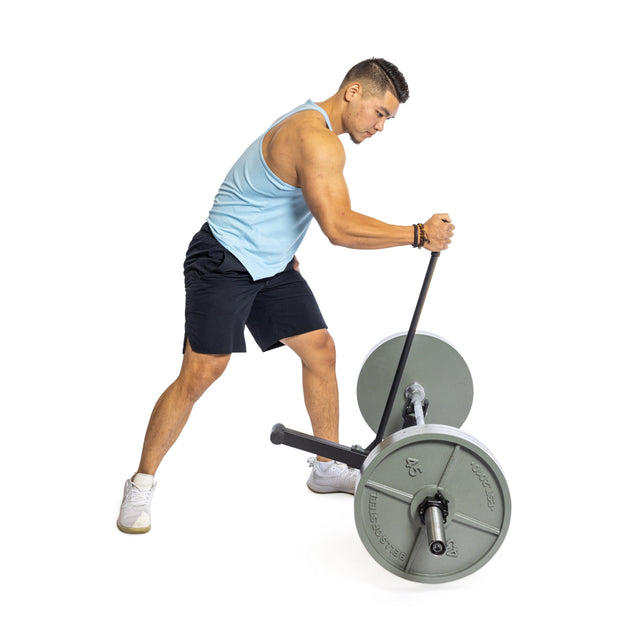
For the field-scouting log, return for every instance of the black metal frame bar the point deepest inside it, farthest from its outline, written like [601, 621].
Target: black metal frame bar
[355, 456]
[352, 456]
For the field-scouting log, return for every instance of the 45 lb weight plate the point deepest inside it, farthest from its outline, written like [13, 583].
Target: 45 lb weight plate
[432, 362]
[419, 464]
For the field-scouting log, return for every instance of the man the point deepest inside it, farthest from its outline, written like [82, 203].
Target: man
[240, 269]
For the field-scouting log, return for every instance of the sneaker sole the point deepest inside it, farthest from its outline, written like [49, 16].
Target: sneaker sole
[131, 529]
[329, 491]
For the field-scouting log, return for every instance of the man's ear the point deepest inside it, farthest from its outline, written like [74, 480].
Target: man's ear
[352, 91]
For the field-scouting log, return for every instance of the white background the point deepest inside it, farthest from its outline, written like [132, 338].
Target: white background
[120, 119]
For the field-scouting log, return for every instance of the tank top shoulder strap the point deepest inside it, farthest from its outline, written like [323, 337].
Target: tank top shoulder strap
[309, 105]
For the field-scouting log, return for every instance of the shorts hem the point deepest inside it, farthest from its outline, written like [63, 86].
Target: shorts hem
[209, 350]
[270, 345]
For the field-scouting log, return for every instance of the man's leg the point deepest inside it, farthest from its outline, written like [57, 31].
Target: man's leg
[319, 383]
[168, 418]
[318, 355]
[174, 406]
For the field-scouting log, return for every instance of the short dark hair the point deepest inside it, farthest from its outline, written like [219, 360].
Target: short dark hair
[381, 76]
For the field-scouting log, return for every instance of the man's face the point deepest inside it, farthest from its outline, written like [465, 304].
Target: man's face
[368, 113]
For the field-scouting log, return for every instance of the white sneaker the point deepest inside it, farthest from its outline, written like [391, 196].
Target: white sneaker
[332, 477]
[135, 511]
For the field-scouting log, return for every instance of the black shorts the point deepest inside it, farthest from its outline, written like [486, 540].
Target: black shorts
[222, 298]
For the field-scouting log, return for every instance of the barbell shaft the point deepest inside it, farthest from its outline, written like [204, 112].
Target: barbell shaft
[416, 396]
[434, 522]
[405, 352]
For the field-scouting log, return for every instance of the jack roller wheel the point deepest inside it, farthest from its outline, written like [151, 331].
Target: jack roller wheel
[431, 470]
[432, 362]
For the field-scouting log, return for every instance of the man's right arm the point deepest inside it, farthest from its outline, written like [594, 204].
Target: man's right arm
[320, 166]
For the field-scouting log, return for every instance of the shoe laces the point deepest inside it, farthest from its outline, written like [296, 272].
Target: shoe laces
[137, 497]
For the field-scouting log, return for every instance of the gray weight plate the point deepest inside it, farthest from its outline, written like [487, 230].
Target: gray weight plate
[416, 463]
[432, 362]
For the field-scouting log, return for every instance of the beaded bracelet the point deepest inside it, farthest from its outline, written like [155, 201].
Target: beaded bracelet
[420, 237]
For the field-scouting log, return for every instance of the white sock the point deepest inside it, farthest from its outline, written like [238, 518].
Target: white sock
[142, 481]
[324, 466]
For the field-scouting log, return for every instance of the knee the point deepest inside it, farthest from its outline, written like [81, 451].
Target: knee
[194, 386]
[322, 354]
[196, 379]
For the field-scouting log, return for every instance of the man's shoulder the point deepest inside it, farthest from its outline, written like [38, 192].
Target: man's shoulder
[301, 143]
[309, 122]
[312, 135]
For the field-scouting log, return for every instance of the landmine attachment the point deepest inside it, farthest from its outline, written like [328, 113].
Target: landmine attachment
[432, 504]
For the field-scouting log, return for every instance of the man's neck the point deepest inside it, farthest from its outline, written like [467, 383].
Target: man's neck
[334, 108]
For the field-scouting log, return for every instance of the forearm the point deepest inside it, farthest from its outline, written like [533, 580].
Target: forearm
[357, 231]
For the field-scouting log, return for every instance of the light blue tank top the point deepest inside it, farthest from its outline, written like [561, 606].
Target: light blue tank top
[258, 217]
